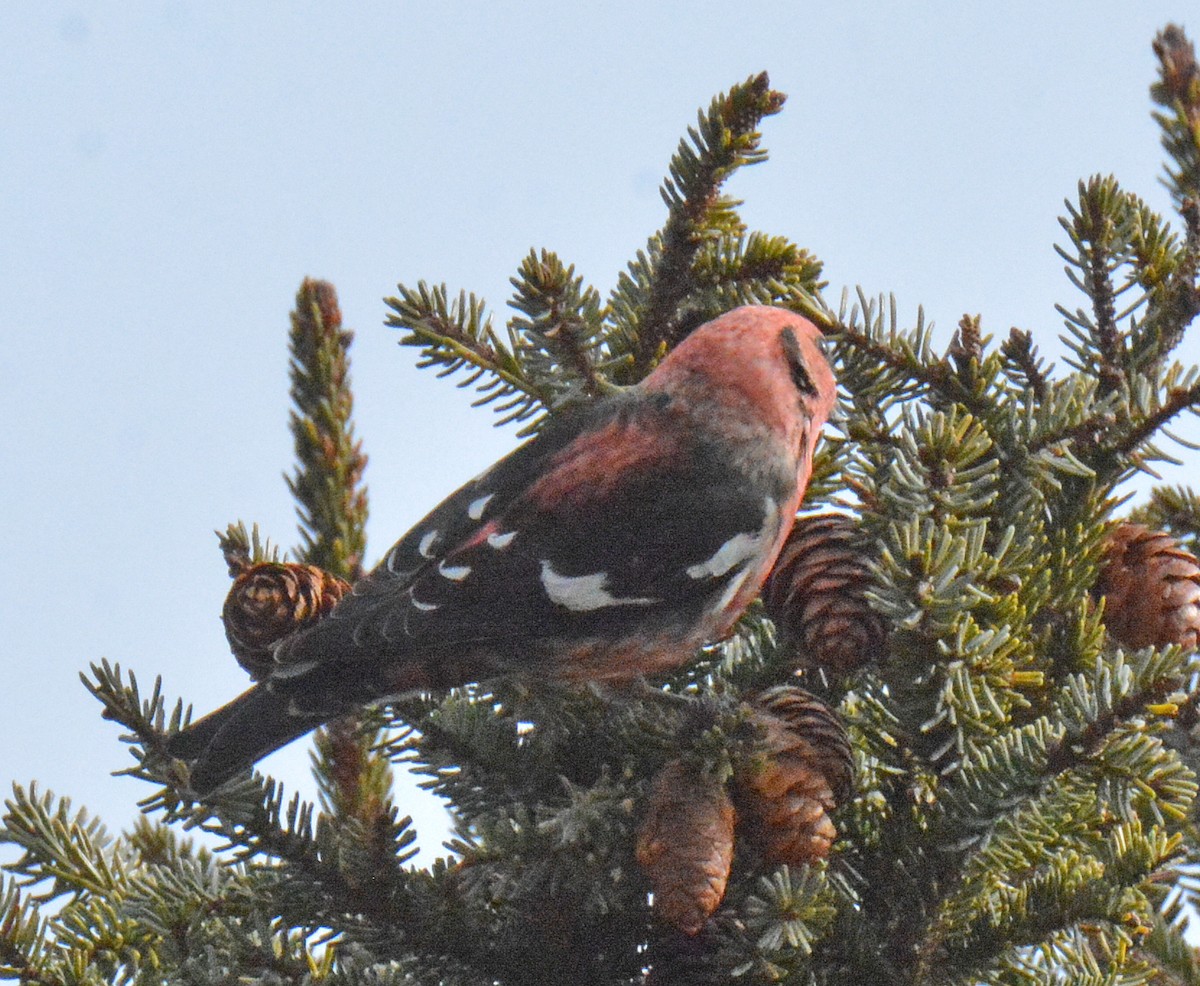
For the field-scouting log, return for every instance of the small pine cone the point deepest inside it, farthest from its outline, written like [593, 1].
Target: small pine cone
[271, 600]
[685, 845]
[785, 798]
[817, 596]
[1151, 588]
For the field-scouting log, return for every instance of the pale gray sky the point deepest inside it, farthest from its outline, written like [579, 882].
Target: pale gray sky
[170, 171]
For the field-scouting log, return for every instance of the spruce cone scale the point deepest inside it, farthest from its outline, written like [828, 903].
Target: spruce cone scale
[1151, 588]
[816, 595]
[685, 845]
[270, 601]
[808, 770]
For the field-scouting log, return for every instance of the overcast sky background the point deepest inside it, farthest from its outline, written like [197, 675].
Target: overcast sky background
[169, 172]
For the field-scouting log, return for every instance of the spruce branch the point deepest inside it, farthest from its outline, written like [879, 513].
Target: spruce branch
[876, 356]
[1175, 509]
[560, 327]
[1054, 880]
[1098, 231]
[751, 269]
[767, 934]
[249, 815]
[1181, 292]
[1132, 439]
[1178, 91]
[1092, 711]
[1091, 230]
[95, 927]
[649, 301]
[355, 781]
[967, 347]
[1166, 950]
[1167, 273]
[1117, 435]
[243, 548]
[1023, 364]
[146, 719]
[1121, 247]
[518, 744]
[459, 335]
[355, 792]
[1094, 954]
[24, 938]
[1190, 210]
[327, 483]
[473, 749]
[71, 853]
[256, 819]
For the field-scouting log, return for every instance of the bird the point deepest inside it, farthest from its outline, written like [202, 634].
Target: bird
[612, 546]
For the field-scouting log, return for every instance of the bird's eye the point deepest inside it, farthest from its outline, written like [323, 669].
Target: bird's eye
[795, 358]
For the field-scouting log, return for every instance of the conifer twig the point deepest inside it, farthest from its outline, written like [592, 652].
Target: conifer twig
[937, 376]
[327, 483]
[355, 780]
[1019, 351]
[1178, 90]
[967, 344]
[243, 548]
[1173, 508]
[1184, 287]
[726, 138]
[1094, 234]
[1077, 748]
[1108, 336]
[1178, 399]
[459, 335]
[561, 322]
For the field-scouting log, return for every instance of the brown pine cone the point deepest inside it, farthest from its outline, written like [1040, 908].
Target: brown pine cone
[806, 771]
[1151, 588]
[685, 845]
[816, 594]
[271, 600]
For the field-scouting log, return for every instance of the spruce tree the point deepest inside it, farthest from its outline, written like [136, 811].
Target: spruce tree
[974, 665]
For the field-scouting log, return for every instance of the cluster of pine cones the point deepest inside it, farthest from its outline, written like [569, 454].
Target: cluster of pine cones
[780, 801]
[817, 596]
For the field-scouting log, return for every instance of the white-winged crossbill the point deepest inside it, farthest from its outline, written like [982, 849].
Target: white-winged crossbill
[614, 544]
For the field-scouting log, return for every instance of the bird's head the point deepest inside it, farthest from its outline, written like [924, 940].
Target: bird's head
[757, 362]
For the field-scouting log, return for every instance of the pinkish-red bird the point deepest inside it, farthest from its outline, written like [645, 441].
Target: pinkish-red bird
[614, 544]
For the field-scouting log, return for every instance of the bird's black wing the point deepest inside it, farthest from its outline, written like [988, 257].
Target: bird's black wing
[513, 568]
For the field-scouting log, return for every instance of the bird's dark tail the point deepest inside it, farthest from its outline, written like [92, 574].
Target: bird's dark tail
[239, 734]
[305, 690]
